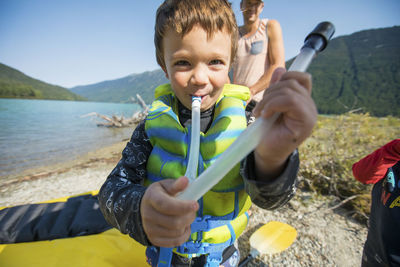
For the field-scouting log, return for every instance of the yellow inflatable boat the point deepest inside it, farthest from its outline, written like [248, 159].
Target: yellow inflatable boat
[64, 232]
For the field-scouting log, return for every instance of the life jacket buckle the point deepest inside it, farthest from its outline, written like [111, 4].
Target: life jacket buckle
[201, 224]
[207, 223]
[193, 248]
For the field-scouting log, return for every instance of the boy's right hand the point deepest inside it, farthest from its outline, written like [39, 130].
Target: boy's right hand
[166, 219]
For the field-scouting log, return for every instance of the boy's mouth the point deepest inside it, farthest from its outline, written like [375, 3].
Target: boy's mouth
[201, 96]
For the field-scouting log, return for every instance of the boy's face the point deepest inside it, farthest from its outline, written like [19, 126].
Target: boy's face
[197, 66]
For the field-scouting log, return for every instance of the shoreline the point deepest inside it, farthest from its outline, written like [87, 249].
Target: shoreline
[85, 173]
[325, 237]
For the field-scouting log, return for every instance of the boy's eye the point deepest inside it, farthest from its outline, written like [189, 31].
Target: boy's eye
[182, 63]
[216, 62]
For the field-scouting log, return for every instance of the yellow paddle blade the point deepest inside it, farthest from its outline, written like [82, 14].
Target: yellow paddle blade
[273, 237]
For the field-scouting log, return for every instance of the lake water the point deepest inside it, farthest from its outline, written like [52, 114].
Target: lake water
[41, 132]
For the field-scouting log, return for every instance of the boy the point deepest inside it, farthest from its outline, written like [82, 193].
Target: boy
[195, 44]
[382, 168]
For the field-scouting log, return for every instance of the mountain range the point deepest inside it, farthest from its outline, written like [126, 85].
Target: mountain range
[15, 84]
[121, 90]
[358, 71]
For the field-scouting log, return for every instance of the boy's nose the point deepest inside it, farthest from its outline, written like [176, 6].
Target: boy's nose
[199, 75]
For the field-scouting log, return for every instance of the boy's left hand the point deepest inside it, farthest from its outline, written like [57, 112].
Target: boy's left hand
[291, 96]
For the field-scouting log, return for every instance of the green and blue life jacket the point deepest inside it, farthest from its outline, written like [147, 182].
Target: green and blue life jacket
[222, 215]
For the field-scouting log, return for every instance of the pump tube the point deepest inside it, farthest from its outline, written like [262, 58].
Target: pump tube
[194, 149]
[315, 42]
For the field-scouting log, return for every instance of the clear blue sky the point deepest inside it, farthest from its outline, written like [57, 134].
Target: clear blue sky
[79, 42]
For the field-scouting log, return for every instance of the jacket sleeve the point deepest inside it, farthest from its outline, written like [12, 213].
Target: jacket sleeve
[122, 192]
[274, 194]
[372, 168]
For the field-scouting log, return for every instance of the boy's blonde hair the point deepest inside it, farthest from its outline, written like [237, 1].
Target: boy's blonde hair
[182, 15]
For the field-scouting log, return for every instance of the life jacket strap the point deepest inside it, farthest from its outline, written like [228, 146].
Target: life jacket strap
[206, 223]
[214, 250]
[214, 259]
[165, 257]
[192, 247]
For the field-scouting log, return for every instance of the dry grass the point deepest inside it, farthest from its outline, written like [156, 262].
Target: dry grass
[336, 143]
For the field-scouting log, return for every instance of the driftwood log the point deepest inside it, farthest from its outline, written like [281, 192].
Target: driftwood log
[121, 121]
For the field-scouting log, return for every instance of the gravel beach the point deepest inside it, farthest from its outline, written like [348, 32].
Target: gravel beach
[83, 174]
[325, 237]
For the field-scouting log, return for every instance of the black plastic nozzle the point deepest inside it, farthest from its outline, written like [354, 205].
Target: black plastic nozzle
[318, 39]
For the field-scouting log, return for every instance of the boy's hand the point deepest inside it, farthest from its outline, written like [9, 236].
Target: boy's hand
[289, 94]
[166, 219]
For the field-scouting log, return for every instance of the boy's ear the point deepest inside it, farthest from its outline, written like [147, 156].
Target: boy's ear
[165, 72]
